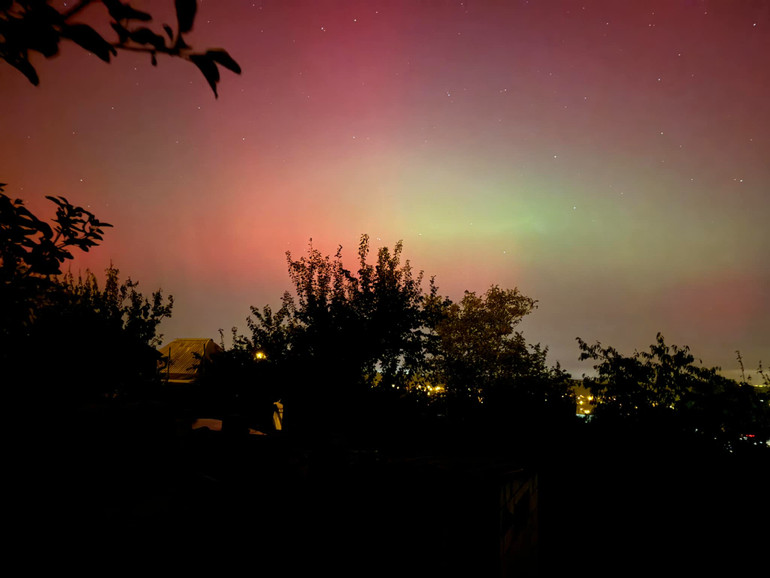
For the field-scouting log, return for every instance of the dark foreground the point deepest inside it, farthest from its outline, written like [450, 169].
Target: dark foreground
[109, 494]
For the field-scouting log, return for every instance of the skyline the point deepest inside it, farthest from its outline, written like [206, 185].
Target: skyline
[609, 160]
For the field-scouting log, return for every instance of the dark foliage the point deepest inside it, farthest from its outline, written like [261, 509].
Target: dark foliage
[489, 371]
[63, 341]
[237, 384]
[664, 390]
[370, 350]
[31, 255]
[86, 344]
[31, 247]
[37, 26]
[344, 335]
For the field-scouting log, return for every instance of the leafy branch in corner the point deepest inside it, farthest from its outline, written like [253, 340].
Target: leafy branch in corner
[35, 25]
[30, 246]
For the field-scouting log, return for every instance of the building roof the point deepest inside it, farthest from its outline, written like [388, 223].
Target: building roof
[182, 357]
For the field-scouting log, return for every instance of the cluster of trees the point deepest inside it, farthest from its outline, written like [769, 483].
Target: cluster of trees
[359, 349]
[371, 346]
[67, 341]
[664, 390]
[346, 346]
[366, 349]
[366, 346]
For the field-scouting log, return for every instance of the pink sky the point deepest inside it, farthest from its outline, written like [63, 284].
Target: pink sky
[608, 158]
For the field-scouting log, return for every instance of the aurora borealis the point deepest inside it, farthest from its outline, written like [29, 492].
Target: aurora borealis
[609, 158]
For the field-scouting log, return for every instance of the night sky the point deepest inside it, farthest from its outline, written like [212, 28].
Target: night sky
[608, 158]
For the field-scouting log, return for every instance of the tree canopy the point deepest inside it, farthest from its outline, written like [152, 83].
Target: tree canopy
[32, 253]
[373, 339]
[99, 341]
[341, 332]
[665, 389]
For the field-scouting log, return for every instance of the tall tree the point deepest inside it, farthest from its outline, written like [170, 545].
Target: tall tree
[346, 339]
[342, 332]
[487, 367]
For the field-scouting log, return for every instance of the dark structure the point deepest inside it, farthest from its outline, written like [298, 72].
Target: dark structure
[183, 359]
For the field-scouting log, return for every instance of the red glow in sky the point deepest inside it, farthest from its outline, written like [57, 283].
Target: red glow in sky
[608, 158]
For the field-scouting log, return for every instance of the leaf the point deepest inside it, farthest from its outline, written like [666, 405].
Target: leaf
[42, 38]
[115, 8]
[89, 39]
[120, 11]
[45, 230]
[185, 14]
[121, 30]
[60, 201]
[26, 69]
[146, 36]
[209, 69]
[221, 56]
[180, 45]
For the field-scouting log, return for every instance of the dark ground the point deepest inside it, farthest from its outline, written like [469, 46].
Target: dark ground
[111, 494]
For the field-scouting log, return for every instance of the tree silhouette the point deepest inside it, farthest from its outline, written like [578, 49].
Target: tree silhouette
[37, 26]
[98, 341]
[354, 345]
[664, 389]
[341, 333]
[31, 247]
[31, 255]
[489, 371]
[78, 360]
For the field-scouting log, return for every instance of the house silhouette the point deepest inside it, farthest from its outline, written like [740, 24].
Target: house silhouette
[182, 358]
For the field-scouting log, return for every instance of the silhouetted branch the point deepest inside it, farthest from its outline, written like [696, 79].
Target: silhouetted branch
[27, 25]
